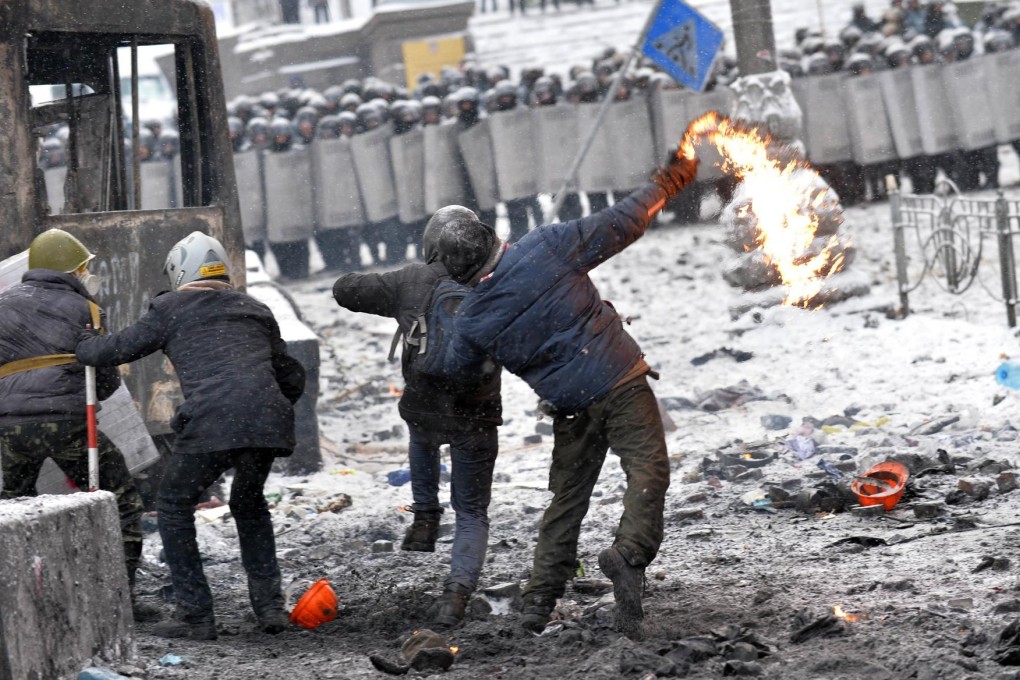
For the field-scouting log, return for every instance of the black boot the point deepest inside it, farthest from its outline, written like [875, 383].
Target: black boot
[142, 613]
[536, 611]
[452, 606]
[267, 601]
[628, 586]
[204, 629]
[422, 534]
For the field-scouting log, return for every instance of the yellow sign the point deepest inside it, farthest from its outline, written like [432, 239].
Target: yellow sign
[429, 56]
[216, 269]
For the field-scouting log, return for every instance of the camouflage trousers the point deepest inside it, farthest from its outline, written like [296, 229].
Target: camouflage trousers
[25, 447]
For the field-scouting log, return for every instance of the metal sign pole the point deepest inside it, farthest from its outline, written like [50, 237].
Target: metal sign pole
[561, 195]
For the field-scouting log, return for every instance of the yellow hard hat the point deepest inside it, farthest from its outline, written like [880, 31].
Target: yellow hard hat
[56, 249]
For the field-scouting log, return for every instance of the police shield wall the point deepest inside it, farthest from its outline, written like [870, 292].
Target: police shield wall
[596, 173]
[513, 148]
[967, 89]
[556, 144]
[251, 195]
[476, 151]
[669, 120]
[938, 134]
[901, 107]
[375, 177]
[407, 152]
[289, 208]
[444, 184]
[870, 135]
[1001, 77]
[821, 101]
[632, 142]
[337, 197]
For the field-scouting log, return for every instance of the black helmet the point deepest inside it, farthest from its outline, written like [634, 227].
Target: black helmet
[505, 95]
[351, 85]
[998, 41]
[169, 144]
[235, 128]
[544, 92]
[280, 134]
[304, 123]
[963, 39]
[923, 49]
[369, 117]
[328, 127]
[792, 66]
[850, 36]
[269, 101]
[859, 64]
[818, 64]
[347, 123]
[405, 114]
[897, 55]
[623, 89]
[466, 246]
[334, 96]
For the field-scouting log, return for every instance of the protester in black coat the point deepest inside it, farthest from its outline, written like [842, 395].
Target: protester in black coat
[239, 385]
[438, 411]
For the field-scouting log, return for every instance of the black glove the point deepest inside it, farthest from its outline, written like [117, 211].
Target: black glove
[86, 333]
[676, 174]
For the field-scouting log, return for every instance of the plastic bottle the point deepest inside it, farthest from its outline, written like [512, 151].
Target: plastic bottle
[1008, 374]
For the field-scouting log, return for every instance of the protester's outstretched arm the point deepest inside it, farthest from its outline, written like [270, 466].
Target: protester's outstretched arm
[368, 293]
[290, 374]
[141, 339]
[594, 239]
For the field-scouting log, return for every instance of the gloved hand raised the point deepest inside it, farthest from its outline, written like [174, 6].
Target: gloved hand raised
[676, 174]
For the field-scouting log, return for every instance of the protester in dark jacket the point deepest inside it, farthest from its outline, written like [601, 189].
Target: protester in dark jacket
[536, 311]
[239, 385]
[463, 414]
[42, 410]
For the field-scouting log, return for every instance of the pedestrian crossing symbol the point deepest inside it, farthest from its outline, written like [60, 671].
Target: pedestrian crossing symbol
[683, 43]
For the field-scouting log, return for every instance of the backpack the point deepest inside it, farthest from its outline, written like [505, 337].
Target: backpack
[426, 342]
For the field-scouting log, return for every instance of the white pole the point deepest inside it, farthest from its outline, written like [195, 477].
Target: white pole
[90, 415]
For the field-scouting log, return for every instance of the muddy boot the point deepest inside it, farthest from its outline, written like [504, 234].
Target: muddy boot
[204, 629]
[535, 612]
[422, 534]
[628, 586]
[267, 601]
[452, 606]
[142, 613]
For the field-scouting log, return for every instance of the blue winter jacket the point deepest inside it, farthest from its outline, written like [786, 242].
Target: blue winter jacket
[540, 315]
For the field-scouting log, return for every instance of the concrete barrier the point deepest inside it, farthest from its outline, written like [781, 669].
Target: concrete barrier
[63, 588]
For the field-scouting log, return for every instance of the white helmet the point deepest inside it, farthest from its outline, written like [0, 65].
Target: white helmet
[195, 257]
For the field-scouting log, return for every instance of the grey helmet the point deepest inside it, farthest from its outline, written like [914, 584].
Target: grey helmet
[196, 257]
[468, 247]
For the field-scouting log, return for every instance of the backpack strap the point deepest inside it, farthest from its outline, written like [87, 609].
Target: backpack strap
[49, 360]
[397, 335]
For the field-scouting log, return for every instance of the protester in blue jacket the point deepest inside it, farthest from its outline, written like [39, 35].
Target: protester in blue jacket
[536, 311]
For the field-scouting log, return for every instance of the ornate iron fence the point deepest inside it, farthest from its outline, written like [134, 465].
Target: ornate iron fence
[951, 231]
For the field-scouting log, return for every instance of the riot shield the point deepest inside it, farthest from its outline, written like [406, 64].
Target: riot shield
[556, 144]
[967, 90]
[289, 207]
[1001, 70]
[870, 135]
[596, 173]
[55, 178]
[826, 135]
[375, 176]
[251, 195]
[938, 130]
[408, 154]
[475, 145]
[444, 183]
[337, 199]
[156, 192]
[669, 119]
[513, 148]
[630, 131]
[901, 107]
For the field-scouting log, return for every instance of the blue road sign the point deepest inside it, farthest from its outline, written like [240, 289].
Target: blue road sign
[683, 43]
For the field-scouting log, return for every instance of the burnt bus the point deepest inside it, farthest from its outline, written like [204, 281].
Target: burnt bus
[76, 50]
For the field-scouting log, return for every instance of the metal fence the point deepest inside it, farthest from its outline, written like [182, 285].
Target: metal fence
[951, 233]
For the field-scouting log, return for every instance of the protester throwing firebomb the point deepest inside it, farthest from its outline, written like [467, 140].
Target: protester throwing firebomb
[239, 386]
[42, 388]
[461, 413]
[535, 311]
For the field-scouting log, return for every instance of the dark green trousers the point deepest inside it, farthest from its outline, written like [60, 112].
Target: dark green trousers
[627, 421]
[25, 447]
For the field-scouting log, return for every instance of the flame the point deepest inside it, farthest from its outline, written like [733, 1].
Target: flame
[405, 508]
[785, 198]
[395, 391]
[454, 649]
[838, 612]
[747, 455]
